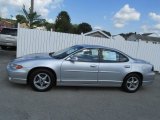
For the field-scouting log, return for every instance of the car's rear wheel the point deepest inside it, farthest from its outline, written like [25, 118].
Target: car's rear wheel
[132, 83]
[42, 80]
[4, 47]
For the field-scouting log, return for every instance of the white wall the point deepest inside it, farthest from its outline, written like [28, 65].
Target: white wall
[36, 41]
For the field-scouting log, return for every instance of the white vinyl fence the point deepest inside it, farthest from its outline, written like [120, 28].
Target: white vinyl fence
[37, 41]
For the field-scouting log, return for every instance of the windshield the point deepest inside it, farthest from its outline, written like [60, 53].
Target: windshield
[65, 52]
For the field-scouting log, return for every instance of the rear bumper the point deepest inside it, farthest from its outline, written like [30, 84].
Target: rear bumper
[145, 83]
[148, 79]
[8, 44]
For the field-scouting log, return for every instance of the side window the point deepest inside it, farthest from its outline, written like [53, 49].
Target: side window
[123, 58]
[87, 55]
[113, 56]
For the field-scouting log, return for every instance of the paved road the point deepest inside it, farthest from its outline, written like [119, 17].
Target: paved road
[20, 102]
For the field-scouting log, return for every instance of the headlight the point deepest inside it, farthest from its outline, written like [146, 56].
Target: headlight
[16, 66]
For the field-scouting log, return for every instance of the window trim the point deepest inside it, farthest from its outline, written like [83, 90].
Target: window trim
[98, 61]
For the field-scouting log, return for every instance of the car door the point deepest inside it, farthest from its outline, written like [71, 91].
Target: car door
[81, 68]
[112, 68]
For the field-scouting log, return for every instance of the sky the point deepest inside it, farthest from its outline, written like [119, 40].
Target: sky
[115, 16]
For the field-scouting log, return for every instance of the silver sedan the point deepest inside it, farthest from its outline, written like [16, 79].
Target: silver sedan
[81, 65]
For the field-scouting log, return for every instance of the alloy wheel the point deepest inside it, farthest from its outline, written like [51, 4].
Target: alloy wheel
[42, 81]
[132, 83]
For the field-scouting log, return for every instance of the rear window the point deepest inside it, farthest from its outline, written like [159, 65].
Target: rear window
[7, 31]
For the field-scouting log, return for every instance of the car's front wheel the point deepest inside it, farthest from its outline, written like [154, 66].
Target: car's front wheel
[42, 80]
[132, 83]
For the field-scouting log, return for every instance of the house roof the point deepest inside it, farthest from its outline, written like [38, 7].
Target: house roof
[145, 37]
[146, 34]
[127, 35]
[149, 38]
[154, 35]
[100, 31]
[117, 37]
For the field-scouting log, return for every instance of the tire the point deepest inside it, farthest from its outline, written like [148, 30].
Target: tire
[42, 80]
[132, 83]
[4, 47]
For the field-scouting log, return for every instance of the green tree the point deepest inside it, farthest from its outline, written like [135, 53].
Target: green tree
[108, 33]
[48, 25]
[63, 22]
[74, 28]
[32, 19]
[21, 19]
[84, 28]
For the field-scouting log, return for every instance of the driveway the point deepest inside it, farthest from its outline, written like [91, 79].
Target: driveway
[20, 102]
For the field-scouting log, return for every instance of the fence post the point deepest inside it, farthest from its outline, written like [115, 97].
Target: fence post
[137, 48]
[17, 51]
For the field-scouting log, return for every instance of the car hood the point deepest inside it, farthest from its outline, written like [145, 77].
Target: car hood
[34, 56]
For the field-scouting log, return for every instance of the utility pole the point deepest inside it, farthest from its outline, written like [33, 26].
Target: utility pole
[32, 6]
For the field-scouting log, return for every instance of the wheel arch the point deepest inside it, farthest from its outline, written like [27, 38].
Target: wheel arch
[138, 73]
[47, 68]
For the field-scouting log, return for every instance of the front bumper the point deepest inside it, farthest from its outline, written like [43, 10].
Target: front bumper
[17, 80]
[17, 76]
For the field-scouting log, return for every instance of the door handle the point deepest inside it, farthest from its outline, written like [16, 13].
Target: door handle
[93, 65]
[127, 66]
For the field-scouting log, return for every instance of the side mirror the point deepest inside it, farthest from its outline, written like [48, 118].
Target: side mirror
[72, 59]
